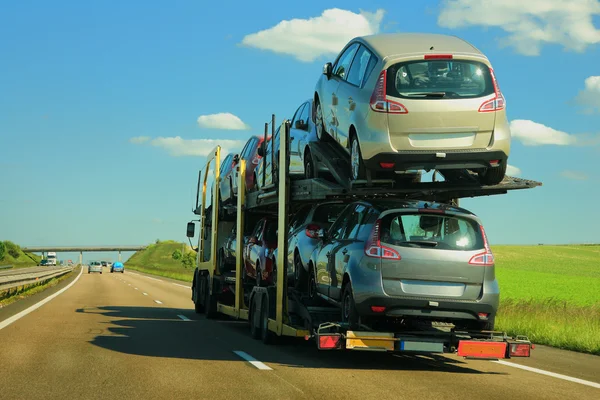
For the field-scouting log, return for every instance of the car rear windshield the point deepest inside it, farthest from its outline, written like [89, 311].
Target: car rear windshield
[327, 213]
[443, 232]
[439, 79]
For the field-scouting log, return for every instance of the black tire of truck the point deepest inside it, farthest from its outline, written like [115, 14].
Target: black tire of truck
[210, 304]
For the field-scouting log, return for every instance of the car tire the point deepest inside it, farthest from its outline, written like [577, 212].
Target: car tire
[357, 166]
[320, 121]
[254, 326]
[310, 171]
[349, 312]
[198, 306]
[210, 303]
[267, 336]
[300, 274]
[492, 175]
[312, 283]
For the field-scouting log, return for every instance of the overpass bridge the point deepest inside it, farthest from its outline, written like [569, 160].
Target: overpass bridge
[80, 249]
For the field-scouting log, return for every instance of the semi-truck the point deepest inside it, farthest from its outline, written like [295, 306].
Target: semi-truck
[278, 309]
[52, 258]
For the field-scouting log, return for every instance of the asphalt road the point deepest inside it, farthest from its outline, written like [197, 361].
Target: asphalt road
[128, 336]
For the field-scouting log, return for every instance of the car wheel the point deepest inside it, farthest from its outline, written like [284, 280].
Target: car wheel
[309, 167]
[266, 335]
[254, 325]
[319, 122]
[349, 313]
[299, 273]
[492, 175]
[312, 283]
[356, 162]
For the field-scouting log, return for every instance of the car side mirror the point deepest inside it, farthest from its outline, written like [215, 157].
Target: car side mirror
[300, 124]
[321, 234]
[328, 70]
[236, 158]
[191, 229]
[253, 240]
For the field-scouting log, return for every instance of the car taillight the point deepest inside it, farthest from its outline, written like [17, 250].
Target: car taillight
[312, 231]
[485, 259]
[379, 101]
[498, 102]
[374, 248]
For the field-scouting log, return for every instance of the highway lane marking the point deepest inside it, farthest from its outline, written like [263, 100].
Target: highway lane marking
[252, 360]
[145, 294]
[548, 373]
[154, 279]
[158, 301]
[183, 317]
[37, 305]
[183, 286]
[136, 289]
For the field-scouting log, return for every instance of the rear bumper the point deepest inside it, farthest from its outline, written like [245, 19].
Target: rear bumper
[434, 160]
[430, 309]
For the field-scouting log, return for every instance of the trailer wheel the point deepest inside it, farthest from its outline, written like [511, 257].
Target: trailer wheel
[252, 320]
[266, 335]
[210, 305]
[196, 296]
[349, 312]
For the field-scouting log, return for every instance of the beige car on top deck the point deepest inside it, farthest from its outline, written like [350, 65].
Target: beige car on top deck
[399, 102]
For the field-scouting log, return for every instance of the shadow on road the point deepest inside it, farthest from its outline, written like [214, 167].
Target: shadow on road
[159, 332]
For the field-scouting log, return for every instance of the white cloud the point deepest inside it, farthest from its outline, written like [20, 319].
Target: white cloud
[178, 147]
[222, 121]
[535, 134]
[309, 39]
[574, 175]
[512, 170]
[139, 139]
[590, 96]
[530, 24]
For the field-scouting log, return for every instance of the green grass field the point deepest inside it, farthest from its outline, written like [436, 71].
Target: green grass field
[23, 260]
[549, 293]
[157, 259]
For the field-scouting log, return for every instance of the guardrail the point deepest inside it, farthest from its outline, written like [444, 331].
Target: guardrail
[29, 276]
[6, 266]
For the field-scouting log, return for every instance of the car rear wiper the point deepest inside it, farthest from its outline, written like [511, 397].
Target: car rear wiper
[428, 243]
[427, 94]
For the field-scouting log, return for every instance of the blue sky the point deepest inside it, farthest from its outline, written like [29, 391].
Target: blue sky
[100, 136]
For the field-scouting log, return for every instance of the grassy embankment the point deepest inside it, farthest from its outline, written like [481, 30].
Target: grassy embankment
[549, 293]
[158, 259]
[10, 296]
[11, 254]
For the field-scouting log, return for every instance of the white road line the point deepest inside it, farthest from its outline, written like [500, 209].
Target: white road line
[158, 301]
[548, 373]
[183, 286]
[252, 360]
[129, 284]
[145, 294]
[154, 279]
[136, 289]
[183, 317]
[37, 305]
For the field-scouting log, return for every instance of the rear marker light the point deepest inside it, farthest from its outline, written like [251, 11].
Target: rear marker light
[377, 309]
[387, 165]
[379, 101]
[312, 231]
[329, 342]
[438, 57]
[520, 349]
[482, 315]
[494, 163]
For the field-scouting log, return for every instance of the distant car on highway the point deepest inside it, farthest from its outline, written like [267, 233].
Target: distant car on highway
[44, 263]
[117, 267]
[104, 263]
[95, 266]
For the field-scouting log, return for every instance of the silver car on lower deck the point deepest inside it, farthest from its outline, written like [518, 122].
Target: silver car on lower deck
[407, 260]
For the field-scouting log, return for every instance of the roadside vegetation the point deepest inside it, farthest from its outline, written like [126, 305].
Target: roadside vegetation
[10, 296]
[551, 294]
[168, 258]
[11, 254]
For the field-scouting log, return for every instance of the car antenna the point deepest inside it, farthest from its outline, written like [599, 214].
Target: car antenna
[431, 48]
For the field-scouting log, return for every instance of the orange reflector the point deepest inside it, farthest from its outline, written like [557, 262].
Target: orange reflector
[329, 342]
[476, 349]
[377, 308]
[483, 315]
[387, 165]
[520, 349]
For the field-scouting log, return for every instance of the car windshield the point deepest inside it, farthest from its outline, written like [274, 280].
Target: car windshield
[439, 79]
[442, 232]
[271, 232]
